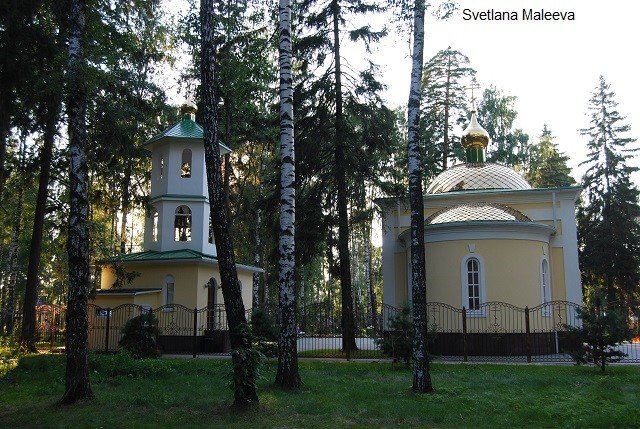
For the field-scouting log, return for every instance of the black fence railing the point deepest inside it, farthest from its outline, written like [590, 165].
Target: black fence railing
[496, 331]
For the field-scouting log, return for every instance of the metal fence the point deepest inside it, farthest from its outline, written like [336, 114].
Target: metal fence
[496, 331]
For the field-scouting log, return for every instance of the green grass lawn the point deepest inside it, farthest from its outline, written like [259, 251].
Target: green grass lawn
[186, 392]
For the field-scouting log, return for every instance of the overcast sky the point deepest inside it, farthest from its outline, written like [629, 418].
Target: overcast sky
[552, 67]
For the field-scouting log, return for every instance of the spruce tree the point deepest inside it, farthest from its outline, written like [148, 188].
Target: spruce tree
[547, 165]
[608, 227]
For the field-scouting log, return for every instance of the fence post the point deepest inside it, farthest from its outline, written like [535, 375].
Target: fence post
[195, 330]
[106, 339]
[464, 333]
[527, 338]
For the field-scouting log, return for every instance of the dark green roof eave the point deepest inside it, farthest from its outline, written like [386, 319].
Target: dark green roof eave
[184, 129]
[152, 255]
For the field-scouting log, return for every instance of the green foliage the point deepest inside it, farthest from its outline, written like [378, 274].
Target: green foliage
[547, 165]
[496, 113]
[603, 328]
[265, 332]
[608, 228]
[397, 343]
[123, 277]
[246, 362]
[140, 336]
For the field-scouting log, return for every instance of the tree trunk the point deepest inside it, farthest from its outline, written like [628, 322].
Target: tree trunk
[257, 260]
[28, 336]
[287, 376]
[368, 280]
[244, 365]
[14, 247]
[348, 325]
[445, 154]
[421, 375]
[77, 370]
[126, 203]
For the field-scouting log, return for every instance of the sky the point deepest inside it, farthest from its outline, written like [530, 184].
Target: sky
[552, 66]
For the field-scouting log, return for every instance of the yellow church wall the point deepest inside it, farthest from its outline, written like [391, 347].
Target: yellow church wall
[512, 270]
[558, 288]
[401, 279]
[190, 279]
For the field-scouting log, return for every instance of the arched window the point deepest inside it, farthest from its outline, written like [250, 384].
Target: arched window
[212, 287]
[211, 237]
[545, 285]
[182, 224]
[185, 167]
[169, 289]
[155, 220]
[473, 288]
[161, 167]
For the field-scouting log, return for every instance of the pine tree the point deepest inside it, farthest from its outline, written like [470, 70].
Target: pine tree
[547, 165]
[608, 227]
[444, 104]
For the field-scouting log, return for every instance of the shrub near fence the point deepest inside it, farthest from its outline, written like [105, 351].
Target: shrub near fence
[496, 331]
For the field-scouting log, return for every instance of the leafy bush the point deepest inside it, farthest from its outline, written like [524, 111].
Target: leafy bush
[140, 336]
[265, 333]
[397, 342]
[603, 328]
[263, 326]
[246, 362]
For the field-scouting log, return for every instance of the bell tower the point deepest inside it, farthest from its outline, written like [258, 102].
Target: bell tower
[178, 217]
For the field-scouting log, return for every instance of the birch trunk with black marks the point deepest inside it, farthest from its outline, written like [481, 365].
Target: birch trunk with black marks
[12, 258]
[28, 334]
[77, 369]
[421, 375]
[244, 366]
[287, 376]
[348, 325]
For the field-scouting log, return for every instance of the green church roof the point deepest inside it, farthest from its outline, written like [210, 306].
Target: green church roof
[187, 128]
[152, 255]
[172, 255]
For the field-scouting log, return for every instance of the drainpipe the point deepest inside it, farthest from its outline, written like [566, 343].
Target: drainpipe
[555, 222]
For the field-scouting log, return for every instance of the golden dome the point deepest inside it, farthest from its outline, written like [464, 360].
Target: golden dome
[474, 136]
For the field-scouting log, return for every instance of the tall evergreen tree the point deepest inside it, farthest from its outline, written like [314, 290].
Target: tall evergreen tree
[608, 227]
[242, 355]
[287, 375]
[444, 104]
[77, 370]
[547, 165]
[497, 112]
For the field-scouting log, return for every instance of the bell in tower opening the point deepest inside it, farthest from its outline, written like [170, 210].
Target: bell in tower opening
[182, 224]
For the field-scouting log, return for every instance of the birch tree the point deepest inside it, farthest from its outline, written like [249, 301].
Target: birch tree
[242, 355]
[287, 375]
[421, 375]
[77, 369]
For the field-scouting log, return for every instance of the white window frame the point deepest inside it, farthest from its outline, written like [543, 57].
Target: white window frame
[155, 225]
[465, 286]
[546, 311]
